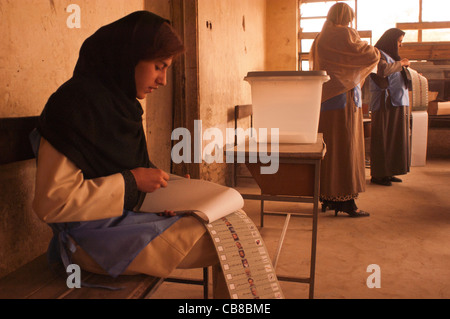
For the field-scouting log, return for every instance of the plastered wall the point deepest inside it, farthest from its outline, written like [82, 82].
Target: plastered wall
[159, 105]
[39, 50]
[231, 43]
[236, 37]
[282, 35]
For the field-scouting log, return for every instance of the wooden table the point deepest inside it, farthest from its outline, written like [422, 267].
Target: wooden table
[297, 180]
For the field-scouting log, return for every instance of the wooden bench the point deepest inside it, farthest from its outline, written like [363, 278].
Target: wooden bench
[36, 280]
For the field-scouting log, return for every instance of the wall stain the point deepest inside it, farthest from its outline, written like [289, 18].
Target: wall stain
[52, 6]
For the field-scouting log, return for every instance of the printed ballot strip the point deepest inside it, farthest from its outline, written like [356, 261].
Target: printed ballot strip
[419, 106]
[419, 90]
[245, 262]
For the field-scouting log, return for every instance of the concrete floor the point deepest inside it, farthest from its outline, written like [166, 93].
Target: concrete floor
[407, 236]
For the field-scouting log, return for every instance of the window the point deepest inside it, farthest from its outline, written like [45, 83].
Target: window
[312, 17]
[422, 21]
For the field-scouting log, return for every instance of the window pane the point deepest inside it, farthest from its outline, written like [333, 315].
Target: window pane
[306, 45]
[315, 9]
[312, 25]
[382, 15]
[320, 9]
[305, 66]
[435, 10]
[436, 35]
[411, 36]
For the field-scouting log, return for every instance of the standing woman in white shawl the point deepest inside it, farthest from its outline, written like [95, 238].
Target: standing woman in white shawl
[348, 60]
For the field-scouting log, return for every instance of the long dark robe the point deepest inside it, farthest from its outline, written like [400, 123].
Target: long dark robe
[389, 143]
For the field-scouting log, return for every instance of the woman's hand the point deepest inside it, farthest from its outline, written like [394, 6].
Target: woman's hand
[405, 62]
[149, 179]
[168, 213]
[171, 213]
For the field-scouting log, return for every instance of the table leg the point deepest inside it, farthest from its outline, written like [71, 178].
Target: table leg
[280, 242]
[262, 213]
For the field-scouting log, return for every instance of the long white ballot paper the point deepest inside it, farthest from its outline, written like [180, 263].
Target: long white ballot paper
[245, 262]
[419, 105]
[419, 88]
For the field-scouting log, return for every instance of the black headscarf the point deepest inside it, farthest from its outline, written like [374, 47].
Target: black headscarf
[388, 42]
[94, 119]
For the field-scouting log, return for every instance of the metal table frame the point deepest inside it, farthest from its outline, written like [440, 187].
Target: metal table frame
[314, 199]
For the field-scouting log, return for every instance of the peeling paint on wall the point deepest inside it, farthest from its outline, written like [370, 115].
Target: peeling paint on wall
[52, 6]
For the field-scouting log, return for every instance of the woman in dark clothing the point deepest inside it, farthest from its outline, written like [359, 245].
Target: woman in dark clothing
[93, 163]
[390, 114]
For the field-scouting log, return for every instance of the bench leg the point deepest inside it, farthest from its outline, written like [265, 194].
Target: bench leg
[204, 282]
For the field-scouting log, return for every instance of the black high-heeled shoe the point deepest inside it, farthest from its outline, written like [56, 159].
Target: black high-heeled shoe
[325, 205]
[349, 207]
[385, 181]
[395, 179]
[353, 213]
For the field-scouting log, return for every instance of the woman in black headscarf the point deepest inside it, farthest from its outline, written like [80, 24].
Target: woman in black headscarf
[93, 164]
[389, 148]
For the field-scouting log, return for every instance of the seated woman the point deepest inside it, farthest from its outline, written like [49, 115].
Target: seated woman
[93, 162]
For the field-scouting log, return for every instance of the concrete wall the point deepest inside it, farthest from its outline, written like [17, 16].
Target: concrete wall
[231, 43]
[236, 37]
[159, 105]
[38, 49]
[282, 35]
[37, 54]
